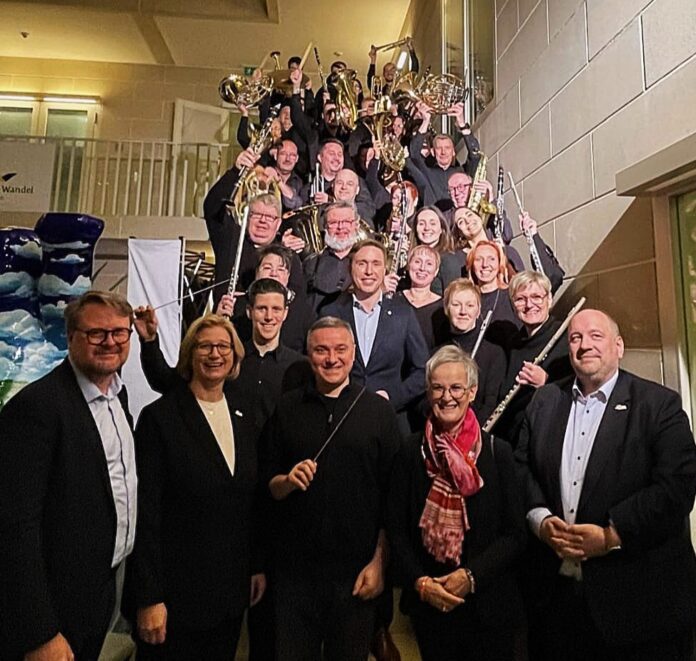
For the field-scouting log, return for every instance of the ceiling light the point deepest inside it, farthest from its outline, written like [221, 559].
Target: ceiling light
[70, 99]
[17, 97]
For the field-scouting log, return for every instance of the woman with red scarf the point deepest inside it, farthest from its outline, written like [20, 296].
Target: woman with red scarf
[456, 524]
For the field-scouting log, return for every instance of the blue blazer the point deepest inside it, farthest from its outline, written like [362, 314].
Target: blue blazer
[399, 354]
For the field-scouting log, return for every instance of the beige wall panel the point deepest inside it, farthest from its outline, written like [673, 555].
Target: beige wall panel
[207, 94]
[560, 11]
[44, 85]
[5, 82]
[630, 296]
[610, 81]
[562, 184]
[646, 363]
[669, 34]
[580, 233]
[502, 123]
[529, 149]
[564, 57]
[506, 26]
[526, 7]
[146, 109]
[193, 76]
[631, 134]
[606, 18]
[146, 129]
[525, 48]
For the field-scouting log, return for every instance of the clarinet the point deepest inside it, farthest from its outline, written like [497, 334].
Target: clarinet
[499, 207]
[543, 355]
[321, 72]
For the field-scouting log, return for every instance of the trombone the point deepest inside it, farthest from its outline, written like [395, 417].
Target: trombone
[393, 44]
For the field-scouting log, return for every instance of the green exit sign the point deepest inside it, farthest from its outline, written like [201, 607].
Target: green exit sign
[248, 70]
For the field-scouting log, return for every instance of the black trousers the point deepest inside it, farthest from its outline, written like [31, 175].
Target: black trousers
[566, 631]
[261, 626]
[460, 636]
[312, 612]
[182, 644]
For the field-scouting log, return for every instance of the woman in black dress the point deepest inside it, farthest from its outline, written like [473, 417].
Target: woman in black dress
[456, 525]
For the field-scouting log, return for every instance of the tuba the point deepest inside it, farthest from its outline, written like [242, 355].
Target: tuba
[393, 154]
[346, 99]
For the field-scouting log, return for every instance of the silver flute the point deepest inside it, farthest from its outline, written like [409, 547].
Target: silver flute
[533, 252]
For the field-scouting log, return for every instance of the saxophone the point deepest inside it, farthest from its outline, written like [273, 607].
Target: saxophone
[477, 200]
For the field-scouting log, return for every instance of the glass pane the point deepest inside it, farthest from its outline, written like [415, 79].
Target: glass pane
[482, 40]
[15, 121]
[66, 123]
[686, 227]
[454, 37]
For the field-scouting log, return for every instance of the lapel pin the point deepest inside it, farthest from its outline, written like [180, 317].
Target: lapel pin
[239, 413]
[620, 407]
[389, 312]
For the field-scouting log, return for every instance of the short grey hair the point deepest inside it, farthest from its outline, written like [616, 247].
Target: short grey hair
[452, 353]
[330, 322]
[341, 204]
[523, 279]
[269, 200]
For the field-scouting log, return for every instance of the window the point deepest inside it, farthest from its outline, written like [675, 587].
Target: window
[23, 115]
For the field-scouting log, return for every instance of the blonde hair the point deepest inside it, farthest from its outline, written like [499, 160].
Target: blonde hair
[452, 353]
[188, 345]
[95, 297]
[458, 285]
[428, 250]
[523, 279]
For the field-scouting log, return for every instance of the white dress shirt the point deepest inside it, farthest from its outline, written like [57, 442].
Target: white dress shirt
[586, 413]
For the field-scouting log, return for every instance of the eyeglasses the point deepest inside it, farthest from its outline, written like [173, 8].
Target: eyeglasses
[223, 348]
[455, 391]
[523, 301]
[270, 217]
[339, 223]
[459, 187]
[98, 336]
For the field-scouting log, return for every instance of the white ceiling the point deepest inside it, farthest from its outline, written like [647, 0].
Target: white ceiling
[182, 32]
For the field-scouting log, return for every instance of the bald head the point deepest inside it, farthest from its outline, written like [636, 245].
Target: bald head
[595, 347]
[346, 186]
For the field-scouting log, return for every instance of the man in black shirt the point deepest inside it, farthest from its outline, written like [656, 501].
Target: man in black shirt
[331, 546]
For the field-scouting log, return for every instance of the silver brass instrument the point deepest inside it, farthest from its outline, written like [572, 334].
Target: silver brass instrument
[482, 332]
[477, 199]
[393, 44]
[533, 252]
[541, 357]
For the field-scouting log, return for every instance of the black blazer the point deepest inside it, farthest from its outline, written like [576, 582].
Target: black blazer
[193, 543]
[641, 476]
[399, 353]
[57, 517]
[494, 542]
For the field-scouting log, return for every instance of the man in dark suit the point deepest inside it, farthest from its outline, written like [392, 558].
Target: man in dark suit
[392, 351]
[608, 496]
[68, 492]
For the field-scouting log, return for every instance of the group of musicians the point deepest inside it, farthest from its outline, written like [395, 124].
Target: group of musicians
[382, 398]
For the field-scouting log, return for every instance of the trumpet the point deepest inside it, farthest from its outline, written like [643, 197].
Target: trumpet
[477, 201]
[393, 44]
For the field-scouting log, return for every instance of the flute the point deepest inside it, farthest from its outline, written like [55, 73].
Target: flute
[482, 332]
[533, 252]
[499, 207]
[541, 357]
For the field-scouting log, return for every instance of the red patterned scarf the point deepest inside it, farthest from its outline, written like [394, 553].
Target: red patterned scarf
[451, 463]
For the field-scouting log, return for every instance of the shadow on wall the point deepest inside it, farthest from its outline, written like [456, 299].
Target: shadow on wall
[619, 277]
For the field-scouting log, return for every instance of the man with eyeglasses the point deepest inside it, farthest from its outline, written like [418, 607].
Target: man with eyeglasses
[531, 296]
[68, 490]
[262, 230]
[328, 273]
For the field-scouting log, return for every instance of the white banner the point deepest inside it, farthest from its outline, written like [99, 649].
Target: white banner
[26, 176]
[154, 278]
